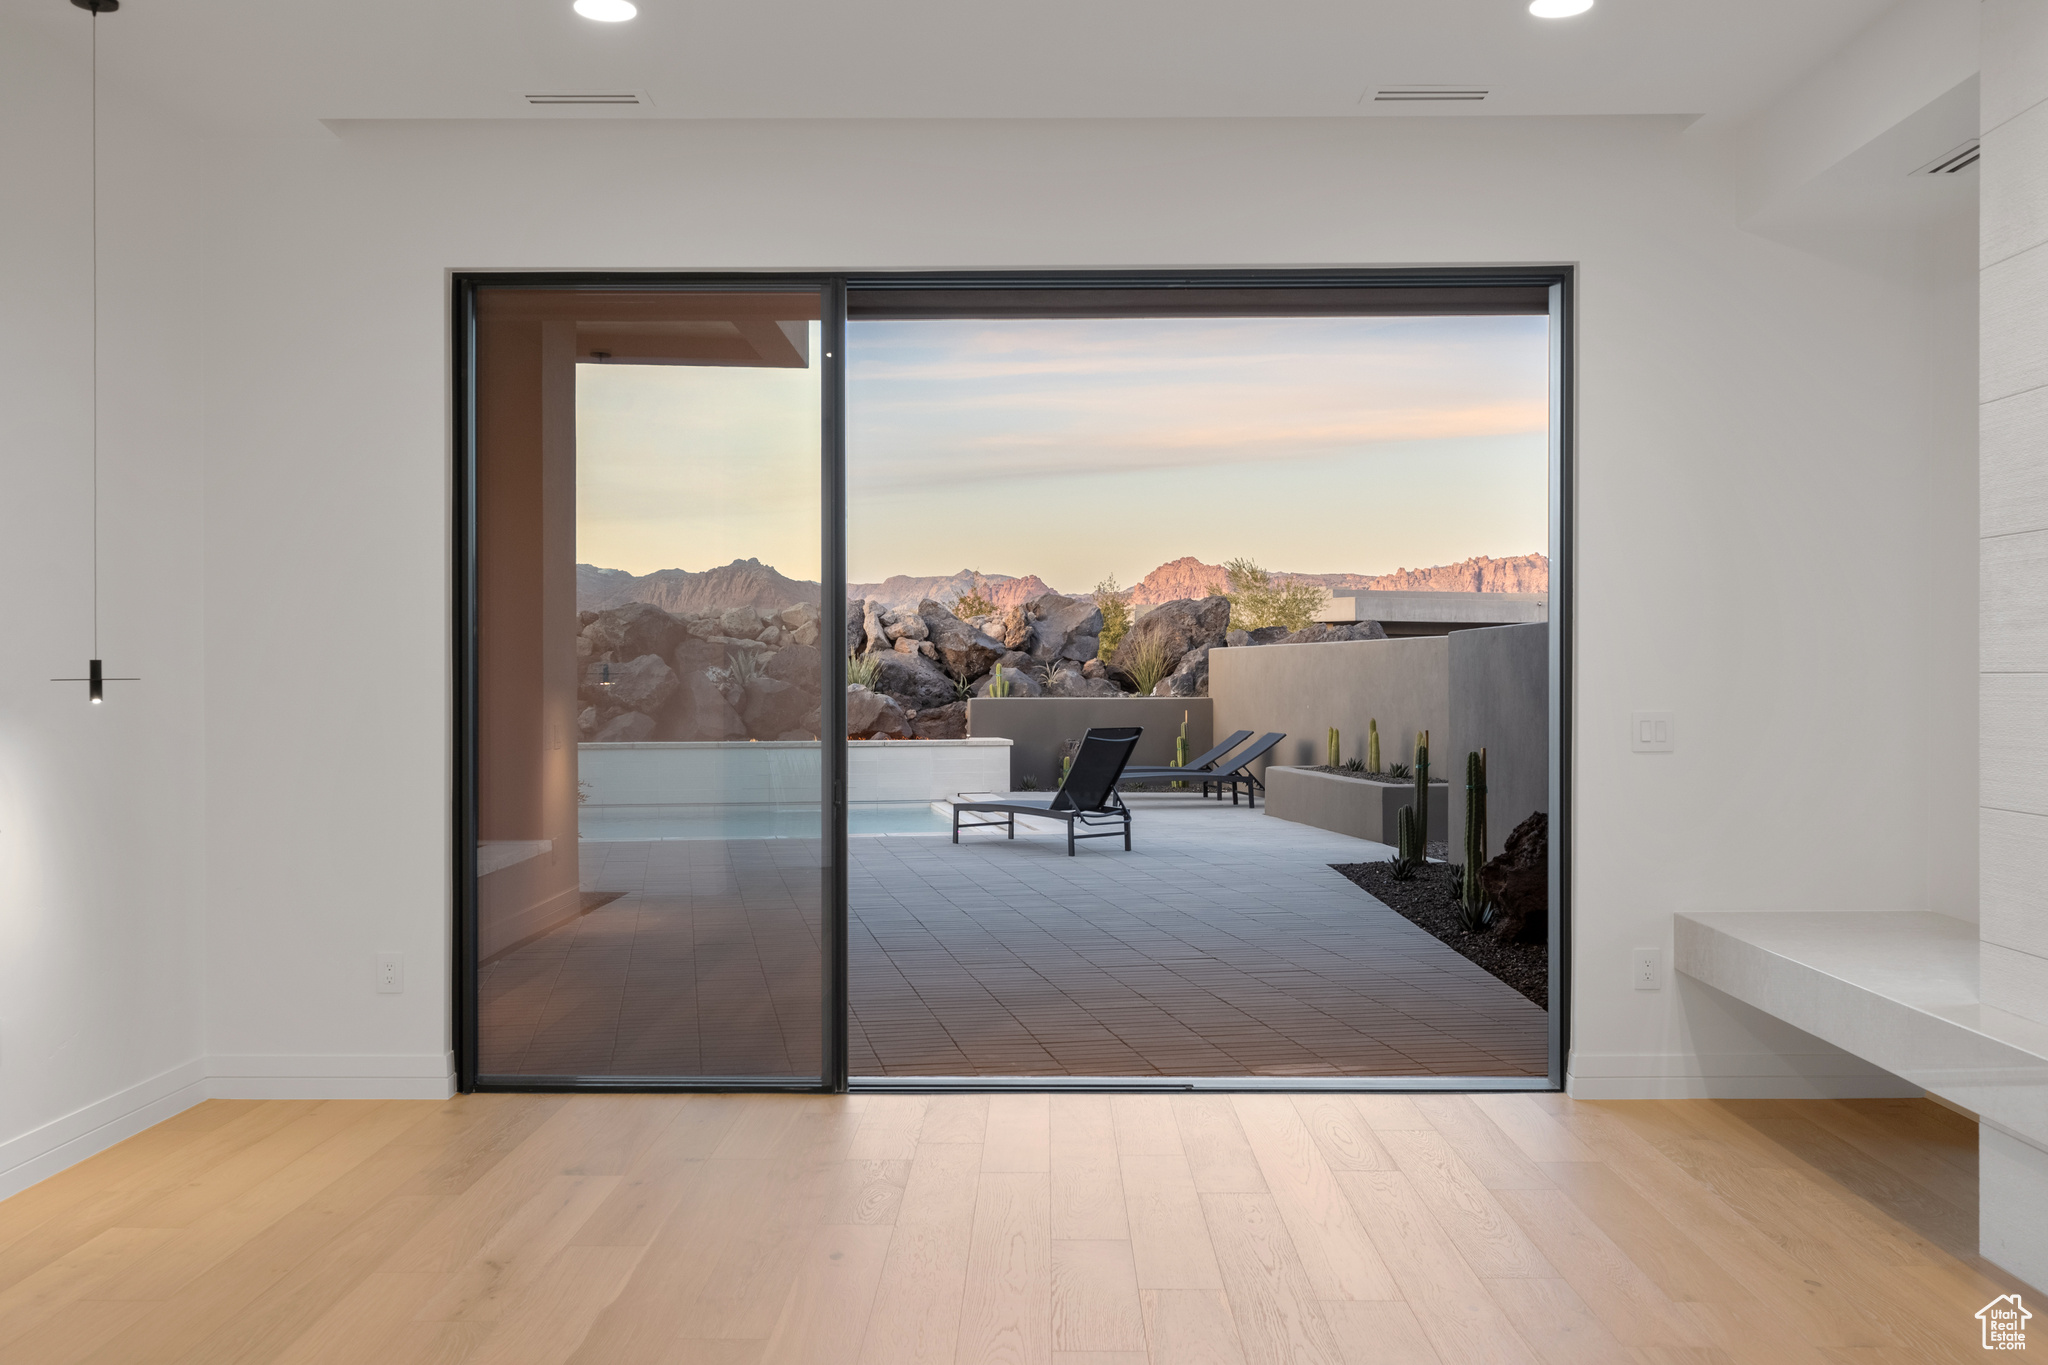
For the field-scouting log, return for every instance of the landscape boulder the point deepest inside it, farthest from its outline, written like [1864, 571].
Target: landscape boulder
[1518, 883]
[1069, 681]
[1063, 628]
[741, 621]
[1175, 628]
[1191, 677]
[904, 624]
[798, 665]
[915, 681]
[856, 626]
[630, 631]
[628, 727]
[1319, 634]
[644, 684]
[963, 650]
[1022, 684]
[941, 722]
[870, 715]
[772, 707]
[700, 712]
[1264, 635]
[1013, 628]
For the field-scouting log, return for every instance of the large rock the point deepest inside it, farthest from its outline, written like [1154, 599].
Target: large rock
[740, 621]
[874, 630]
[1264, 635]
[1175, 628]
[856, 626]
[1190, 678]
[644, 684]
[941, 722]
[1518, 882]
[701, 714]
[1013, 627]
[629, 727]
[798, 665]
[801, 614]
[630, 631]
[1070, 682]
[1319, 634]
[904, 624]
[965, 652]
[1063, 628]
[870, 715]
[1022, 684]
[773, 707]
[915, 681]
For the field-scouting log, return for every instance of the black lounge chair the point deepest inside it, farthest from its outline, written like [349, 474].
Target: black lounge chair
[1201, 763]
[1235, 774]
[1087, 797]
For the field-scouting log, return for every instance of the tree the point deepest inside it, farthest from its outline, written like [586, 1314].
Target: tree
[974, 602]
[1116, 614]
[1257, 601]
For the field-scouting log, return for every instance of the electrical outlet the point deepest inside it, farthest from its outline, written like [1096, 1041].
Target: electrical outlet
[1653, 732]
[1649, 969]
[390, 973]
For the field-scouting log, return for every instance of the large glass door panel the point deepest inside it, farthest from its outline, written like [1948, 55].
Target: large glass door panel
[651, 850]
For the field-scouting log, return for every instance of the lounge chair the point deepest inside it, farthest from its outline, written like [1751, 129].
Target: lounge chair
[1087, 797]
[1201, 763]
[1234, 774]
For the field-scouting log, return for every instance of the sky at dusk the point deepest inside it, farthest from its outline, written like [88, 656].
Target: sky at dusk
[1078, 448]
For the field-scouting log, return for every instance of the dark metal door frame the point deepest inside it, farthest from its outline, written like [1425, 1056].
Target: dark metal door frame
[833, 290]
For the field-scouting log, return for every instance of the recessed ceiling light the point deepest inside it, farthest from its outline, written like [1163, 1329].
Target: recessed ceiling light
[618, 11]
[1542, 9]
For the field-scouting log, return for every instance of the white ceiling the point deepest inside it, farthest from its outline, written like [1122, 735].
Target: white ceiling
[259, 60]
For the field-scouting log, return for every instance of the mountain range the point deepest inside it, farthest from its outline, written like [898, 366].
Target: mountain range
[750, 583]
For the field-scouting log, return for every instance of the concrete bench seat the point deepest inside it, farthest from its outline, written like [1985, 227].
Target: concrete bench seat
[1899, 989]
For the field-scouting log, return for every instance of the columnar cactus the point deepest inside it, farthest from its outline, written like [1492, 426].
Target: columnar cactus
[1334, 748]
[1372, 746]
[1475, 830]
[1407, 851]
[1422, 792]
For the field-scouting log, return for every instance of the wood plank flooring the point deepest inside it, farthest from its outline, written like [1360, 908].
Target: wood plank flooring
[1058, 1230]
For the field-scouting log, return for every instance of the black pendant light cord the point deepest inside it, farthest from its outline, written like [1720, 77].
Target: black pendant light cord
[95, 333]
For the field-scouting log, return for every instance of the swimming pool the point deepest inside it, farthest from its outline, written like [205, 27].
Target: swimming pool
[637, 824]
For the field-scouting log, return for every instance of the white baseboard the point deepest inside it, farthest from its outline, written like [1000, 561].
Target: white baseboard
[1830, 1075]
[42, 1152]
[325, 1076]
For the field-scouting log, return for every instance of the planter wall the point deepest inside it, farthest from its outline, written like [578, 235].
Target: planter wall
[786, 773]
[1037, 726]
[1351, 805]
[1303, 690]
[1500, 701]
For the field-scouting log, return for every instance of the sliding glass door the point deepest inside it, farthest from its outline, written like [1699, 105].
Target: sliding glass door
[652, 660]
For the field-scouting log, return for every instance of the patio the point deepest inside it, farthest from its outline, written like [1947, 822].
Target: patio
[1222, 945]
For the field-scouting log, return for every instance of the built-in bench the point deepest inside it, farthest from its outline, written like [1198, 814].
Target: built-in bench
[1899, 989]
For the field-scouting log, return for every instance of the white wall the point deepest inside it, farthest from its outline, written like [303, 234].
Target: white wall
[1774, 508]
[1775, 515]
[102, 809]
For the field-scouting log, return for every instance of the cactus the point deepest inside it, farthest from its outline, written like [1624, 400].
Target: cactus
[1473, 899]
[1422, 795]
[1406, 850]
[1333, 760]
[1372, 746]
[1180, 750]
[998, 685]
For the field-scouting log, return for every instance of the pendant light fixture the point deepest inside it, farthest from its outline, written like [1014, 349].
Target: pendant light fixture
[95, 678]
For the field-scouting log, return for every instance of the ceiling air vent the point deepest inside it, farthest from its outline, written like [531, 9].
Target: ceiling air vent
[1962, 158]
[549, 101]
[1419, 94]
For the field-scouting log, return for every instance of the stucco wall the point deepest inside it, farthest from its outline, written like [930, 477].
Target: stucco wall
[1303, 690]
[1500, 701]
[1036, 727]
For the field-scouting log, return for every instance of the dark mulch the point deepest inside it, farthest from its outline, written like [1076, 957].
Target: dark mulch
[1429, 900]
[1384, 779]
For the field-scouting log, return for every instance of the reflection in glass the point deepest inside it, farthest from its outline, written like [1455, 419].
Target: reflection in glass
[649, 682]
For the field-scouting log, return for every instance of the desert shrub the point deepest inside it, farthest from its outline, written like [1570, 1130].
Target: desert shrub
[1257, 601]
[862, 668]
[1115, 607]
[1149, 662]
[975, 601]
[743, 666]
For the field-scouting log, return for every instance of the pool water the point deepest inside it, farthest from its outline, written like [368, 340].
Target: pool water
[641, 823]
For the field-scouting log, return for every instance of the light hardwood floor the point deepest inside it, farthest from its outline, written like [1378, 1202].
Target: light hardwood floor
[1082, 1230]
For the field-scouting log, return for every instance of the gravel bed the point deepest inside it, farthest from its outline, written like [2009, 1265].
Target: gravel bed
[1430, 901]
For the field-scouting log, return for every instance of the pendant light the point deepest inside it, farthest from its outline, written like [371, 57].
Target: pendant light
[95, 678]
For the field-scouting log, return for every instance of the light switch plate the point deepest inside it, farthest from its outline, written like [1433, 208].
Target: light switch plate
[1648, 969]
[1653, 732]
